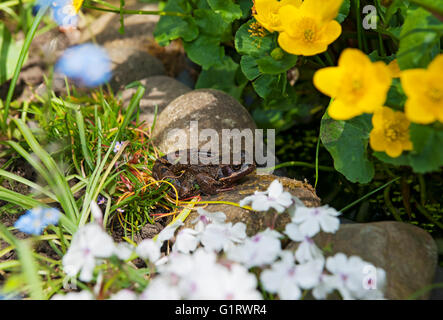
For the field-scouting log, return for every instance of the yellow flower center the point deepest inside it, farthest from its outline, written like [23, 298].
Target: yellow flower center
[309, 35]
[307, 29]
[436, 95]
[395, 131]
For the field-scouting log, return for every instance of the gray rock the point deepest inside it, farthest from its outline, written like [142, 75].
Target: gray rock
[213, 109]
[160, 91]
[257, 221]
[407, 253]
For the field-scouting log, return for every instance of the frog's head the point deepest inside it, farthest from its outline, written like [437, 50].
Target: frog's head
[236, 169]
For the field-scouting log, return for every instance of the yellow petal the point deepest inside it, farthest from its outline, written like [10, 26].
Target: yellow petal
[288, 14]
[353, 57]
[394, 149]
[298, 46]
[331, 32]
[377, 140]
[436, 66]
[328, 80]
[326, 10]
[340, 111]
[416, 112]
[394, 68]
[412, 81]
[383, 74]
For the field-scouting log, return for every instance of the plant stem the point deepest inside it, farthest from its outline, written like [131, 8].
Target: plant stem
[29, 36]
[124, 11]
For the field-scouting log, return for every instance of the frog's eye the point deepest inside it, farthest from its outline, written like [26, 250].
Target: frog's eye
[236, 167]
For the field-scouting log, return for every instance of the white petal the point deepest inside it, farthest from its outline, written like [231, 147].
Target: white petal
[275, 189]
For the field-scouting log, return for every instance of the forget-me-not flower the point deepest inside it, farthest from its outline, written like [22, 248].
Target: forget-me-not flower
[34, 221]
[86, 64]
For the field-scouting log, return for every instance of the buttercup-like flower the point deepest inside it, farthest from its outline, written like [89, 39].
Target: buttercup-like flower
[86, 64]
[309, 29]
[390, 133]
[424, 88]
[357, 85]
[275, 197]
[34, 221]
[266, 12]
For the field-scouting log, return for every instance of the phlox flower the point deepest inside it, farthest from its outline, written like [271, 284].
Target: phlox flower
[259, 250]
[82, 295]
[34, 221]
[217, 236]
[356, 85]
[123, 250]
[86, 64]
[186, 241]
[307, 250]
[355, 278]
[124, 294]
[89, 244]
[206, 217]
[275, 197]
[149, 249]
[160, 288]
[311, 220]
[287, 279]
[390, 132]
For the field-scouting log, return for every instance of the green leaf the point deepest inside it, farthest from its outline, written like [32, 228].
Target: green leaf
[9, 54]
[249, 67]
[347, 143]
[210, 23]
[431, 5]
[269, 65]
[205, 51]
[222, 77]
[246, 44]
[419, 39]
[396, 96]
[427, 154]
[171, 27]
[227, 9]
[245, 6]
[266, 84]
[344, 11]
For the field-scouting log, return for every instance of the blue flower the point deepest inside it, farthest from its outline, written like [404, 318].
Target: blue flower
[87, 64]
[101, 200]
[117, 146]
[34, 221]
[63, 12]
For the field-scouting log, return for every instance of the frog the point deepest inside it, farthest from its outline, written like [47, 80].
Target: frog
[194, 179]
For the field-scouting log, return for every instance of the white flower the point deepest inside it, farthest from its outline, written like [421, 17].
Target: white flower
[88, 243]
[168, 232]
[307, 250]
[96, 212]
[260, 250]
[219, 237]
[123, 250]
[311, 220]
[287, 279]
[187, 241]
[206, 217]
[239, 284]
[355, 278]
[82, 295]
[160, 288]
[149, 249]
[124, 294]
[275, 197]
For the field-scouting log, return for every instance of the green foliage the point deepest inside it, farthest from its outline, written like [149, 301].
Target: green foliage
[9, 54]
[347, 142]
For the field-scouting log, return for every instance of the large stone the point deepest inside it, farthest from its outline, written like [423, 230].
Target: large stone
[211, 109]
[257, 221]
[160, 91]
[407, 253]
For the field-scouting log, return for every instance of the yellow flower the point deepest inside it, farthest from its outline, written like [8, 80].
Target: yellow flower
[266, 12]
[394, 68]
[77, 4]
[424, 88]
[357, 85]
[309, 29]
[390, 133]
